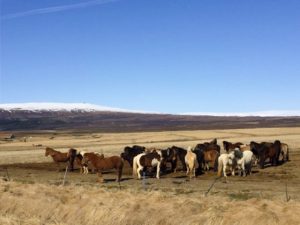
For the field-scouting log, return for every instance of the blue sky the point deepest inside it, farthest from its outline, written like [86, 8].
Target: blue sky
[155, 55]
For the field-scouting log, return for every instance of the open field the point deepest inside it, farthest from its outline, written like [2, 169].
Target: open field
[34, 194]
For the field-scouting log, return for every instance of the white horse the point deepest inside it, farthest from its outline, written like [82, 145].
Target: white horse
[244, 164]
[152, 159]
[226, 160]
[191, 162]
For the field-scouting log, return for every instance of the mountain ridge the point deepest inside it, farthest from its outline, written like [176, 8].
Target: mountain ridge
[124, 121]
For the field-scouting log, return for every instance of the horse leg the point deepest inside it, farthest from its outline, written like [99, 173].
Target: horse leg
[100, 176]
[174, 166]
[158, 170]
[139, 169]
[86, 170]
[224, 170]
[187, 170]
[194, 171]
[232, 170]
[119, 174]
[184, 166]
[207, 166]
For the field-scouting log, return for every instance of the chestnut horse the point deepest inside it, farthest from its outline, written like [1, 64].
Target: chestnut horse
[100, 163]
[211, 158]
[59, 157]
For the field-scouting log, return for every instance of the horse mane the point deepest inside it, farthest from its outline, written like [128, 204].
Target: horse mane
[48, 149]
[238, 153]
[214, 141]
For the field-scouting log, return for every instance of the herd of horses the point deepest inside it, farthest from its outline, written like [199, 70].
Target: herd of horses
[195, 161]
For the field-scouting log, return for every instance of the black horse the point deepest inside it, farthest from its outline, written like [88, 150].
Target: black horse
[130, 152]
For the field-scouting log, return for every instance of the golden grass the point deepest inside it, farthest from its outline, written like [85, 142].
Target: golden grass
[89, 203]
[41, 204]
[113, 143]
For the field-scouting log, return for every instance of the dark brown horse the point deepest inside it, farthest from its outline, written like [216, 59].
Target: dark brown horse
[206, 153]
[228, 146]
[130, 152]
[209, 146]
[270, 151]
[170, 156]
[265, 150]
[100, 163]
[59, 157]
[180, 156]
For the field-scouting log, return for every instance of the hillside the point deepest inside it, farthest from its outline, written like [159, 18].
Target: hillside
[109, 121]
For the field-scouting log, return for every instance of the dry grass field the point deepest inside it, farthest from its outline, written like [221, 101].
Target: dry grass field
[31, 190]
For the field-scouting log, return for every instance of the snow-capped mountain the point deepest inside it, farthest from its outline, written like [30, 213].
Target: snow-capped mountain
[88, 117]
[69, 107]
[86, 107]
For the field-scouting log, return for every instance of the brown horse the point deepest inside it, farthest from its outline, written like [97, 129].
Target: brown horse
[59, 157]
[228, 146]
[269, 151]
[100, 163]
[84, 168]
[211, 158]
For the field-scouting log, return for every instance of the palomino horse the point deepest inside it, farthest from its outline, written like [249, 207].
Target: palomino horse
[191, 163]
[100, 163]
[284, 152]
[144, 160]
[59, 157]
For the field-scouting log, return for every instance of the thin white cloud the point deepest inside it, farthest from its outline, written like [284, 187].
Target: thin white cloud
[54, 9]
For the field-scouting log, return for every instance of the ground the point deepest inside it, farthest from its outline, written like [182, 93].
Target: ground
[272, 195]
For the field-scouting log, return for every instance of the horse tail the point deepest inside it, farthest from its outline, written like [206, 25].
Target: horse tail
[220, 166]
[216, 164]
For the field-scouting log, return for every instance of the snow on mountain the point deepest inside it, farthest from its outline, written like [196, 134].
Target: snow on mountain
[85, 107]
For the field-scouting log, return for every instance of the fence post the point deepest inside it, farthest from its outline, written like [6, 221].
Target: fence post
[63, 184]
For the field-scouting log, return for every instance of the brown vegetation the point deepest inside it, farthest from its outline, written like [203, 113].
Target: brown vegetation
[34, 193]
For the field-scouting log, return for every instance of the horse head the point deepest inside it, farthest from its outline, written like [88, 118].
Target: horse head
[231, 158]
[238, 153]
[47, 151]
